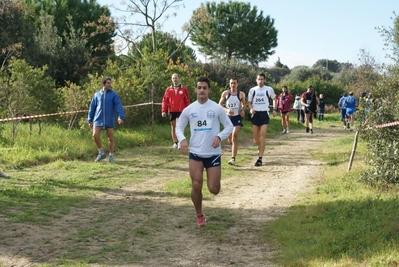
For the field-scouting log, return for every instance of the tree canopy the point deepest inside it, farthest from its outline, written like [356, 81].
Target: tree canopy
[331, 65]
[174, 48]
[233, 30]
[92, 20]
[16, 33]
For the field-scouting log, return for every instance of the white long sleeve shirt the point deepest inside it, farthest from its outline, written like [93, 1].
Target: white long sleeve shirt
[205, 120]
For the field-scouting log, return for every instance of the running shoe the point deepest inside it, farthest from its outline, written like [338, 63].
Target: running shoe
[100, 157]
[307, 129]
[111, 159]
[311, 131]
[175, 145]
[201, 220]
[2, 175]
[288, 130]
[232, 161]
[258, 162]
[284, 131]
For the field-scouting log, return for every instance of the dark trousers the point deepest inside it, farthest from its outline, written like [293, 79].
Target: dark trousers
[321, 114]
[300, 115]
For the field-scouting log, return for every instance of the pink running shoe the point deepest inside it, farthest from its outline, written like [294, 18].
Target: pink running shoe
[201, 220]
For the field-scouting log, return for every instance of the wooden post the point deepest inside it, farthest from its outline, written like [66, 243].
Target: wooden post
[152, 109]
[353, 151]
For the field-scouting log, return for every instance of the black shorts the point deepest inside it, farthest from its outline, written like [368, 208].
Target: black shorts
[174, 115]
[212, 161]
[260, 118]
[236, 120]
[312, 111]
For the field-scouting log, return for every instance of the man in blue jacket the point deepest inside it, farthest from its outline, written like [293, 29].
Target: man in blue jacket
[104, 107]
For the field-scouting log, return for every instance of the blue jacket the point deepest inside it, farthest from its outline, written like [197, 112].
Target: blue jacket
[104, 107]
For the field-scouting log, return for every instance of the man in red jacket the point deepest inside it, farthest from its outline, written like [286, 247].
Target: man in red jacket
[175, 99]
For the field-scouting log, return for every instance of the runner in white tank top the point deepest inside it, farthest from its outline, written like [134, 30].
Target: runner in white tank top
[258, 103]
[234, 103]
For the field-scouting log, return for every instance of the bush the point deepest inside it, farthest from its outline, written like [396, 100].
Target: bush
[383, 144]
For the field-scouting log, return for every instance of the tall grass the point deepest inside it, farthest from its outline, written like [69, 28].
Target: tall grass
[55, 143]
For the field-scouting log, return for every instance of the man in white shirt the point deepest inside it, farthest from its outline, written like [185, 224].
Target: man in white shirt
[204, 117]
[258, 103]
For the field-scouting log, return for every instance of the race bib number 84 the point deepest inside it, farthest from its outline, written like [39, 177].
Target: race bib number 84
[203, 125]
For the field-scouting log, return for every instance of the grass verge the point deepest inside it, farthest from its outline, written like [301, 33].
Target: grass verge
[342, 222]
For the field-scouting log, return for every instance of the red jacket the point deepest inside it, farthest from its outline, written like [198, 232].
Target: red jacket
[284, 101]
[175, 100]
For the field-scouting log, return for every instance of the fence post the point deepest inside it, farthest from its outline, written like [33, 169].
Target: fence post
[353, 151]
[152, 109]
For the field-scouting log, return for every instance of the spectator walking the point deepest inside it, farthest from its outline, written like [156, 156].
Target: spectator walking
[105, 106]
[322, 105]
[342, 109]
[175, 99]
[300, 113]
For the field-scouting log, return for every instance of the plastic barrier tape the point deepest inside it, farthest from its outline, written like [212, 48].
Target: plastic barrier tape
[66, 112]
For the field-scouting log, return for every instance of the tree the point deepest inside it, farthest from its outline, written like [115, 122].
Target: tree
[233, 30]
[278, 73]
[87, 17]
[168, 43]
[26, 90]
[278, 64]
[331, 65]
[16, 32]
[154, 14]
[302, 73]
[67, 58]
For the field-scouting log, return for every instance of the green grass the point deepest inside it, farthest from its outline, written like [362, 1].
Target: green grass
[343, 222]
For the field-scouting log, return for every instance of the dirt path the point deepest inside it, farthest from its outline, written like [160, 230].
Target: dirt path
[262, 195]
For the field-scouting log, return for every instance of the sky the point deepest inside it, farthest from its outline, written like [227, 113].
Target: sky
[308, 30]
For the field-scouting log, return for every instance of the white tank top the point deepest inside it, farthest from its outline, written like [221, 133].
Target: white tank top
[259, 97]
[233, 102]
